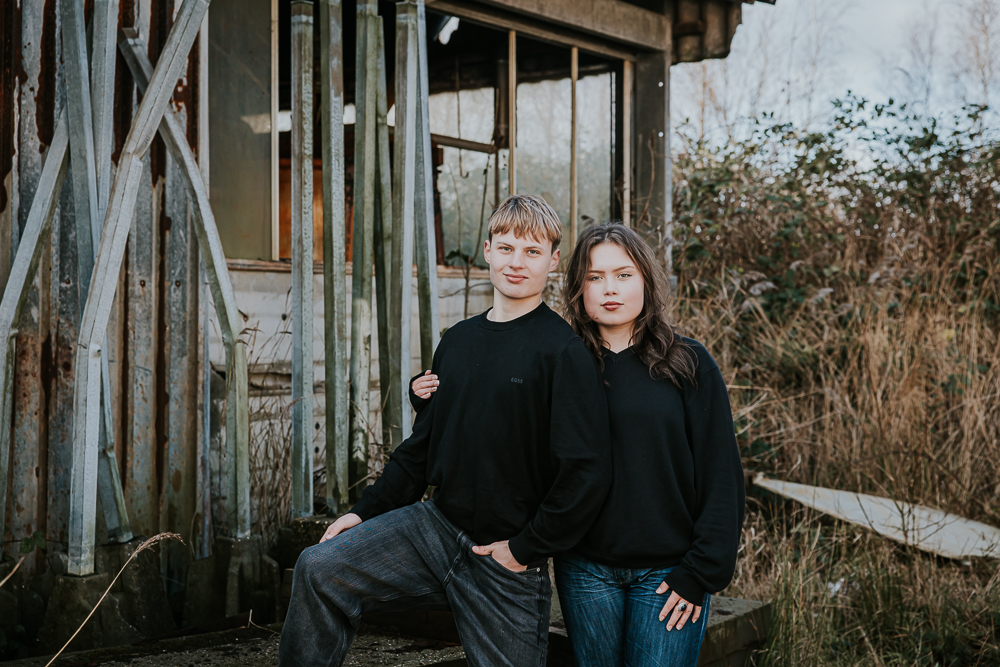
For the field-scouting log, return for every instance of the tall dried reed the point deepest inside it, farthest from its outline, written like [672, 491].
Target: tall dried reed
[848, 282]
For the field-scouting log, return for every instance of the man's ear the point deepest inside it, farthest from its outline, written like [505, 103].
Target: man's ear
[555, 261]
[486, 251]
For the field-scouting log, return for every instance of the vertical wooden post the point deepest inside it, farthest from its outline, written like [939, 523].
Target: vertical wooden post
[402, 242]
[626, 147]
[236, 467]
[86, 423]
[574, 72]
[423, 214]
[36, 231]
[302, 256]
[102, 87]
[512, 108]
[382, 235]
[652, 132]
[334, 271]
[275, 204]
[361, 240]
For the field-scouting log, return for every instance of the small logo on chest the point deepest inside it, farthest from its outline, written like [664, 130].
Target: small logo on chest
[517, 380]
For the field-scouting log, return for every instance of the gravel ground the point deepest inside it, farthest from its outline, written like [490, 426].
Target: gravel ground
[259, 648]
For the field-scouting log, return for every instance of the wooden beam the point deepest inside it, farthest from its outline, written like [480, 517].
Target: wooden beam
[512, 109]
[574, 65]
[621, 22]
[361, 238]
[23, 268]
[628, 94]
[383, 242]
[102, 95]
[230, 321]
[86, 421]
[302, 256]
[334, 270]
[423, 212]
[496, 17]
[404, 186]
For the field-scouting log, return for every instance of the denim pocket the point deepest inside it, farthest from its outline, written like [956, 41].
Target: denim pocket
[523, 575]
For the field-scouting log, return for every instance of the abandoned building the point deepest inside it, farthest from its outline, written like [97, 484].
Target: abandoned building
[230, 232]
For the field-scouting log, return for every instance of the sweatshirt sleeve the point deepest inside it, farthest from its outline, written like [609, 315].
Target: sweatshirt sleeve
[709, 564]
[404, 477]
[416, 402]
[580, 448]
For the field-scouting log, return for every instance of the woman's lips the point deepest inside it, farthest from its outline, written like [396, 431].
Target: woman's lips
[611, 305]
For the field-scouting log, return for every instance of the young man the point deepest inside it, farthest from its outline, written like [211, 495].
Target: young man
[516, 442]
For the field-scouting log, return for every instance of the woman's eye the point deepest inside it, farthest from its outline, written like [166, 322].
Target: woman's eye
[593, 278]
[624, 275]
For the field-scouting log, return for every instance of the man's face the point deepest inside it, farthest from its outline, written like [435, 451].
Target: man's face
[519, 266]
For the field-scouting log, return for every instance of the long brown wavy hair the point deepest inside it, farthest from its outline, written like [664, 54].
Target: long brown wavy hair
[653, 339]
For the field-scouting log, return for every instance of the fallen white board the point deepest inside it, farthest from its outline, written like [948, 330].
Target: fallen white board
[932, 530]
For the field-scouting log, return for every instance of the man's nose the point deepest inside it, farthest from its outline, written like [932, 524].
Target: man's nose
[517, 259]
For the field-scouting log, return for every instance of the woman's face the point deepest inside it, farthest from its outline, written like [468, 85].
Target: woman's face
[613, 289]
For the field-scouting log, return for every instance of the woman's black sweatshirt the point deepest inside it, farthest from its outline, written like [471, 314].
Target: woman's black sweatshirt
[677, 496]
[516, 439]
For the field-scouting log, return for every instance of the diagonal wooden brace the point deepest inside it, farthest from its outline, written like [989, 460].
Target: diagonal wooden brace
[230, 321]
[114, 239]
[29, 251]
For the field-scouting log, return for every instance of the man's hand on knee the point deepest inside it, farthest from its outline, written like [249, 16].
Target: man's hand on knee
[345, 522]
[500, 552]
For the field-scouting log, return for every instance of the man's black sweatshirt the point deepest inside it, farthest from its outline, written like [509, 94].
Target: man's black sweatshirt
[516, 439]
[678, 495]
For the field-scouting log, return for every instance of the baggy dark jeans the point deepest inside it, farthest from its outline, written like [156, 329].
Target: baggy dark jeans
[413, 558]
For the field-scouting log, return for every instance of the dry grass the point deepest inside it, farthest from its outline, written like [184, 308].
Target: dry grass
[854, 308]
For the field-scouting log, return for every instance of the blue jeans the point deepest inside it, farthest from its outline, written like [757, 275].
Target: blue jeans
[413, 558]
[613, 617]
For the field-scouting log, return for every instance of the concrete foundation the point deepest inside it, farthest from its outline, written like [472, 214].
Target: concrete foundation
[238, 577]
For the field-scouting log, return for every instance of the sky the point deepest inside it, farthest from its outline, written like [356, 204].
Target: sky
[794, 57]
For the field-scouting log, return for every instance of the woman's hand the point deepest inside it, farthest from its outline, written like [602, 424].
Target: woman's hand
[678, 616]
[500, 552]
[345, 522]
[425, 385]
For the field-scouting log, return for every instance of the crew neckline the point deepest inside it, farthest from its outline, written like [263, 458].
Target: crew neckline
[535, 312]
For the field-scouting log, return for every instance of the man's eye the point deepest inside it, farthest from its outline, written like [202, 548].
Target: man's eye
[533, 252]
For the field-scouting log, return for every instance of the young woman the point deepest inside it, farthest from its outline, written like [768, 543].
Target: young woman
[636, 590]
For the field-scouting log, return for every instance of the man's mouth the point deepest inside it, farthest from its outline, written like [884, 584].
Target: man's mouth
[515, 278]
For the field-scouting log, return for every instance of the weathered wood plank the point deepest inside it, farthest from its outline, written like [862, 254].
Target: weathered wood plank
[37, 99]
[142, 342]
[361, 241]
[302, 256]
[31, 244]
[230, 321]
[112, 249]
[334, 256]
[424, 239]
[404, 176]
[382, 241]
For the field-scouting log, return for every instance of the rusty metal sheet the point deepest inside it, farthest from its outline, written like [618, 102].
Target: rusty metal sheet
[923, 527]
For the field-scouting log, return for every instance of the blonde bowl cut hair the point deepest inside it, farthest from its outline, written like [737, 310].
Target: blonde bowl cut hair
[527, 216]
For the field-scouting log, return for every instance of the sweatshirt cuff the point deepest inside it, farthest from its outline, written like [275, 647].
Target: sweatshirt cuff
[523, 551]
[415, 401]
[366, 508]
[684, 583]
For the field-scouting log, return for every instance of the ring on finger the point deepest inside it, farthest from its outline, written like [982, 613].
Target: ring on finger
[682, 606]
